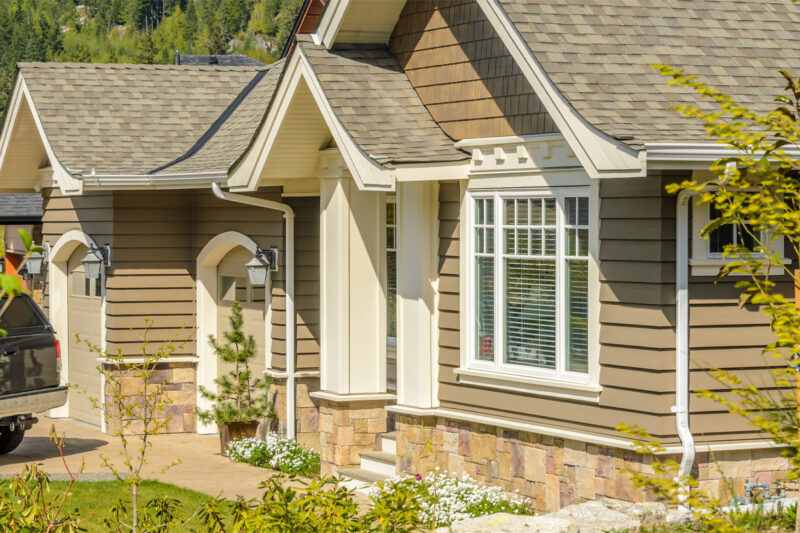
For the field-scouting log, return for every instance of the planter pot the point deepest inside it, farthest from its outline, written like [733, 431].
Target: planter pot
[236, 431]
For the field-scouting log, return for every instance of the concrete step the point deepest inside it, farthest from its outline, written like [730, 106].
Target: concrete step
[389, 442]
[379, 462]
[360, 480]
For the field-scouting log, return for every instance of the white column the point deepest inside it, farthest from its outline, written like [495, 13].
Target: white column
[353, 295]
[416, 294]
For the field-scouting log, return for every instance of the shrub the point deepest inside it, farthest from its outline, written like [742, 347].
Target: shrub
[277, 452]
[443, 499]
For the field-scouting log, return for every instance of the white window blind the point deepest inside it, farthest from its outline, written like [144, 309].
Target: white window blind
[537, 310]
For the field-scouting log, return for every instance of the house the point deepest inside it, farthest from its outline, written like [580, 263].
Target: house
[476, 249]
[19, 211]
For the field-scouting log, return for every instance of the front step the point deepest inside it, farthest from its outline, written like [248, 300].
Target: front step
[389, 442]
[383, 463]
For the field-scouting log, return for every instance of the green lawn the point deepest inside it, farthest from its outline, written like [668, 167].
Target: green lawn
[95, 498]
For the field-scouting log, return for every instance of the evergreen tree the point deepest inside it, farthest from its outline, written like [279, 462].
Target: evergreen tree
[239, 397]
[145, 51]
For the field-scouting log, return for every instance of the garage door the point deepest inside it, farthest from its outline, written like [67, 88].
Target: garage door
[233, 285]
[84, 320]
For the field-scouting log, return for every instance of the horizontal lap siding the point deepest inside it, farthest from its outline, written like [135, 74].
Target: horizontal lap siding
[307, 270]
[637, 335]
[91, 213]
[158, 238]
[463, 73]
[152, 272]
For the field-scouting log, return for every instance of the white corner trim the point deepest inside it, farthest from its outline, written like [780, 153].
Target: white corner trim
[139, 360]
[280, 374]
[601, 155]
[328, 25]
[333, 397]
[529, 385]
[367, 174]
[580, 436]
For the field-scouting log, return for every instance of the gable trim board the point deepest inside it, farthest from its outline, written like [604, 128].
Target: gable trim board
[246, 172]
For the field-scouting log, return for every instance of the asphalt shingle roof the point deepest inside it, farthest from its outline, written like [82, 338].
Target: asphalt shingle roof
[223, 60]
[598, 52]
[129, 119]
[372, 97]
[20, 207]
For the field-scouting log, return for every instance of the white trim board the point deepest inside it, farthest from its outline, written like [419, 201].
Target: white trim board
[246, 175]
[579, 436]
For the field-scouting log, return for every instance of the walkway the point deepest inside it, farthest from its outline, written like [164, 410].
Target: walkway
[202, 467]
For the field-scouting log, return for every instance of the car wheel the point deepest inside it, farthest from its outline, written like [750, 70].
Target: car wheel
[9, 440]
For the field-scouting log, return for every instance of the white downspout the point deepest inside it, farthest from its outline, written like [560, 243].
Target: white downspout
[681, 408]
[291, 319]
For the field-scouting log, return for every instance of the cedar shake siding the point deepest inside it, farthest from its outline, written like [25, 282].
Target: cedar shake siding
[637, 330]
[463, 73]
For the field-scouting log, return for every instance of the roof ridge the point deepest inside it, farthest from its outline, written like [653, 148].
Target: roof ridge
[137, 66]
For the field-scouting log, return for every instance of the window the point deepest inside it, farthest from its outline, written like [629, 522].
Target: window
[707, 255]
[728, 234]
[391, 272]
[530, 265]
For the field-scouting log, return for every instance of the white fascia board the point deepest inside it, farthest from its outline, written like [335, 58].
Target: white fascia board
[368, 174]
[152, 181]
[329, 23]
[66, 181]
[601, 155]
[458, 170]
[694, 155]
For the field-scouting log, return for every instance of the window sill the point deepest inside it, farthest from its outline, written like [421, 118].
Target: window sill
[529, 385]
[710, 267]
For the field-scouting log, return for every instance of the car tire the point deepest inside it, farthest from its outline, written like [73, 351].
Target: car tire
[9, 440]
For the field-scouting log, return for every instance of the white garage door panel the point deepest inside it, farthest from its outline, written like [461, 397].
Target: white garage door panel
[84, 319]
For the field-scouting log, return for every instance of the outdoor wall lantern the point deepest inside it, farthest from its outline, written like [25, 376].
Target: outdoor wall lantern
[261, 264]
[37, 260]
[96, 258]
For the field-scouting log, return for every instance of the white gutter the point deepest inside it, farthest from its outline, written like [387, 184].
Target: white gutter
[681, 408]
[291, 319]
[154, 180]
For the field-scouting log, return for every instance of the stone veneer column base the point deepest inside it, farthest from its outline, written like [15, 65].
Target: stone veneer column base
[347, 428]
[180, 385]
[556, 472]
[307, 409]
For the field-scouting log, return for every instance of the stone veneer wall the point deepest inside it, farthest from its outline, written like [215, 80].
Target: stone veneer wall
[556, 472]
[348, 428]
[307, 409]
[180, 384]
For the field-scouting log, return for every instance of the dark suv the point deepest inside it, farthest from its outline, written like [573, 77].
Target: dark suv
[30, 365]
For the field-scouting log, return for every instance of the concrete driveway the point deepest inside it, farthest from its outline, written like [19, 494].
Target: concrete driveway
[202, 467]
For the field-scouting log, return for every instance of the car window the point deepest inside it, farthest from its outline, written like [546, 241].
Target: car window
[21, 313]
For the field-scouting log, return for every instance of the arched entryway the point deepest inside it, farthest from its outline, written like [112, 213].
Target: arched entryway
[221, 279]
[77, 306]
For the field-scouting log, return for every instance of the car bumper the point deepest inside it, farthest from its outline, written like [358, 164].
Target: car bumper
[23, 403]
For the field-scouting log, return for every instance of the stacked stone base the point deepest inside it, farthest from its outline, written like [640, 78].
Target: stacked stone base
[307, 409]
[179, 381]
[555, 472]
[347, 428]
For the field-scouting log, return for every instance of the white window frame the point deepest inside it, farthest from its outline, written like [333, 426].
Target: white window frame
[705, 263]
[498, 369]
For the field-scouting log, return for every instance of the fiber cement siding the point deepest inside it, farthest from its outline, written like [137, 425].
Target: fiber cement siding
[637, 315]
[463, 72]
[158, 238]
[91, 213]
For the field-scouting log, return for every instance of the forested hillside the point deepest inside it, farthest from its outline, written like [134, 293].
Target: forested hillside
[138, 31]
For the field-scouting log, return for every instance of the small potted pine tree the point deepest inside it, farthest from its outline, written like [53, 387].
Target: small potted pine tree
[240, 402]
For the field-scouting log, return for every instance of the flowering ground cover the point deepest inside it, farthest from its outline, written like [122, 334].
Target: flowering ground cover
[444, 499]
[277, 452]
